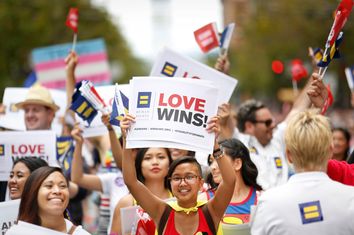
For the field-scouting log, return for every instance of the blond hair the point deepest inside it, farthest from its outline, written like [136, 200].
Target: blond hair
[308, 138]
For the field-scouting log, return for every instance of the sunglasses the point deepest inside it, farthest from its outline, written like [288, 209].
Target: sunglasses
[267, 122]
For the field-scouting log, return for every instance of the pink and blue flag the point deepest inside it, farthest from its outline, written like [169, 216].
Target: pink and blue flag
[93, 64]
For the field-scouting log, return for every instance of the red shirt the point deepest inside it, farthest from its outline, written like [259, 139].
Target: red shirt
[341, 171]
[203, 226]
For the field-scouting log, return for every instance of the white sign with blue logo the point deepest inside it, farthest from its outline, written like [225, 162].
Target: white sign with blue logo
[171, 113]
[172, 64]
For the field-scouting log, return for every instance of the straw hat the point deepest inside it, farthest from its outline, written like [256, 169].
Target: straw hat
[38, 94]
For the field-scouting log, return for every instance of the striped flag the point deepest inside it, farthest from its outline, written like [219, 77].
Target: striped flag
[93, 65]
[332, 53]
[225, 38]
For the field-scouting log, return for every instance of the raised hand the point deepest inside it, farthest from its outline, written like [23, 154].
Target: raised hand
[76, 133]
[126, 123]
[222, 64]
[317, 91]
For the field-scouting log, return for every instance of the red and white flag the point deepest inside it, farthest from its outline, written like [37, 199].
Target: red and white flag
[342, 13]
[207, 37]
[72, 21]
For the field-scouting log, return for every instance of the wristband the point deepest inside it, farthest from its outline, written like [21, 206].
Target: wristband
[110, 128]
[325, 107]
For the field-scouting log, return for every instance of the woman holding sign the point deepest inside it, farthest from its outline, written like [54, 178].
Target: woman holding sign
[186, 215]
[44, 201]
[151, 167]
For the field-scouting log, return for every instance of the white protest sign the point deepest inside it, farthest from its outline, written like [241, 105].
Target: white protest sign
[18, 144]
[8, 215]
[97, 128]
[129, 219]
[14, 118]
[171, 111]
[31, 229]
[172, 64]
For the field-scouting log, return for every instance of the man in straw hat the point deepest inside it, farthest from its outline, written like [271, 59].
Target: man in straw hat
[39, 108]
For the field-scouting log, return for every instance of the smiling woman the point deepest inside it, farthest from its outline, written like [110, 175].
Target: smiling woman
[44, 200]
[21, 170]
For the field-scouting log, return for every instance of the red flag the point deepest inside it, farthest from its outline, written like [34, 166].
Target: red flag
[298, 70]
[207, 37]
[73, 19]
[342, 12]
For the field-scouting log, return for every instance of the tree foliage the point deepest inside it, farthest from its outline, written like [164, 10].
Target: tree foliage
[25, 25]
[284, 29]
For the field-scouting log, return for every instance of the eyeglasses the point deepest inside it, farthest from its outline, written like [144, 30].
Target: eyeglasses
[189, 179]
[267, 122]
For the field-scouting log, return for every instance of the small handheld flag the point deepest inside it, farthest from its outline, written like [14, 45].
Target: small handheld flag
[72, 21]
[342, 13]
[86, 101]
[82, 107]
[120, 107]
[349, 73]
[333, 53]
[226, 38]
[207, 37]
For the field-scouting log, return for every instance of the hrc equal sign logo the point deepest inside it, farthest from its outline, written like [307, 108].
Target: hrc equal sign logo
[2, 150]
[311, 212]
[144, 99]
[169, 69]
[278, 162]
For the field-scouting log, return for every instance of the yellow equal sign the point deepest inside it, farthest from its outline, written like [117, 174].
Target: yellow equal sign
[143, 99]
[2, 150]
[311, 212]
[169, 70]
[278, 162]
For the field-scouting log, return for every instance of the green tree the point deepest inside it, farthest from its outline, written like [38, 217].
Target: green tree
[25, 25]
[284, 29]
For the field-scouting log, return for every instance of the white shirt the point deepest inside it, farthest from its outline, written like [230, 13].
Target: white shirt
[310, 203]
[113, 185]
[270, 160]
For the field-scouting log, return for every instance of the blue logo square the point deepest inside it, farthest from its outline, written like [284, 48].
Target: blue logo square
[144, 99]
[169, 69]
[311, 212]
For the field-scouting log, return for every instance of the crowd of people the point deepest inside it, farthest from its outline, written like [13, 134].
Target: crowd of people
[293, 177]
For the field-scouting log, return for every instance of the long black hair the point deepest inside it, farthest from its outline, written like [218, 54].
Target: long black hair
[236, 149]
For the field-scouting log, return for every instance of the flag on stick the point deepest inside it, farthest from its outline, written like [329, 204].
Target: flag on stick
[86, 101]
[120, 107]
[207, 37]
[72, 21]
[226, 38]
[342, 13]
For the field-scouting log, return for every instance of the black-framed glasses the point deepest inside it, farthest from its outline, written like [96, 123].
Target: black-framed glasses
[267, 122]
[189, 179]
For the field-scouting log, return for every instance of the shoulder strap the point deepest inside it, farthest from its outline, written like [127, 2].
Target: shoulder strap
[208, 218]
[164, 218]
[72, 229]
